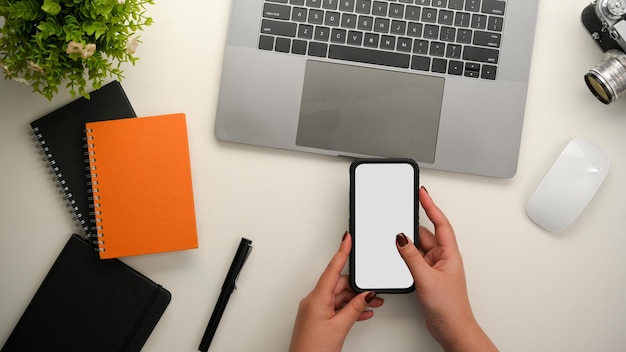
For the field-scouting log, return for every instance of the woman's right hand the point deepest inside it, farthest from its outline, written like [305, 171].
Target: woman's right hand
[437, 268]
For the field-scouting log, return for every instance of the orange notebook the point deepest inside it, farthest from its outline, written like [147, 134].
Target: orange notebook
[141, 184]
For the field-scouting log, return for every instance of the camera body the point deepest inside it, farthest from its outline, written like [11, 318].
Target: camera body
[605, 20]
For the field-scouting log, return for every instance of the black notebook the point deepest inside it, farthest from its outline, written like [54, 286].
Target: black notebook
[88, 304]
[60, 135]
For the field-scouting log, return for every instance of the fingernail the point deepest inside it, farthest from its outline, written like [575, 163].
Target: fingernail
[370, 297]
[401, 239]
[424, 188]
[344, 236]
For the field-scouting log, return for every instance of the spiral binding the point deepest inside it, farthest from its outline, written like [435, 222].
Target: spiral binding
[57, 176]
[95, 215]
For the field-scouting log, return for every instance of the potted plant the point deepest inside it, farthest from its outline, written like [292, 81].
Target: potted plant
[76, 43]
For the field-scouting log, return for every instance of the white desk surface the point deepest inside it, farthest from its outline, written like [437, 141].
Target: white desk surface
[531, 290]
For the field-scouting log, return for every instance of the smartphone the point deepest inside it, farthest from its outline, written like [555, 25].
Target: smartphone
[383, 202]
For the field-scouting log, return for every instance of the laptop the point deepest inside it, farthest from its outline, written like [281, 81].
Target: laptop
[443, 82]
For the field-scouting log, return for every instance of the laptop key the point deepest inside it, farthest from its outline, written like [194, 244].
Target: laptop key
[346, 5]
[429, 15]
[298, 47]
[464, 36]
[455, 4]
[321, 34]
[266, 42]
[404, 44]
[355, 38]
[471, 70]
[318, 49]
[453, 51]
[371, 40]
[412, 13]
[472, 5]
[479, 21]
[488, 72]
[316, 16]
[278, 28]
[282, 45]
[487, 39]
[299, 14]
[380, 9]
[348, 20]
[332, 18]
[396, 10]
[420, 47]
[421, 63]
[387, 42]
[493, 7]
[473, 53]
[440, 3]
[364, 6]
[330, 4]
[440, 65]
[455, 67]
[437, 49]
[398, 27]
[305, 31]
[276, 11]
[431, 31]
[414, 29]
[445, 17]
[338, 36]
[470, 73]
[494, 23]
[365, 23]
[368, 56]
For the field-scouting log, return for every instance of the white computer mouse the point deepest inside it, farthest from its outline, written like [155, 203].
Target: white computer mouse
[569, 185]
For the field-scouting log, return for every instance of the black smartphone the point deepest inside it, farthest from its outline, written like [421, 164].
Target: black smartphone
[383, 202]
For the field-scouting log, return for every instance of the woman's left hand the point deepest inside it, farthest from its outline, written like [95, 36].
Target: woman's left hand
[326, 315]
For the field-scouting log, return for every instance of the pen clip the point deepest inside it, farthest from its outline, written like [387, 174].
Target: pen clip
[248, 249]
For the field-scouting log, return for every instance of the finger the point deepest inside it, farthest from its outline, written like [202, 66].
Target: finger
[343, 292]
[376, 302]
[329, 278]
[355, 309]
[444, 234]
[427, 240]
[343, 297]
[411, 256]
[343, 284]
[367, 314]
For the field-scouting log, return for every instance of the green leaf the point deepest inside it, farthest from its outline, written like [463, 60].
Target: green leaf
[51, 7]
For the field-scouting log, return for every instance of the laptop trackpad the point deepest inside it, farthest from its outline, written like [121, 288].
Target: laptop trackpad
[369, 111]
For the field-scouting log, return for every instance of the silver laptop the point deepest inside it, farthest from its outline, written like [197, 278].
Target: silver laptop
[443, 82]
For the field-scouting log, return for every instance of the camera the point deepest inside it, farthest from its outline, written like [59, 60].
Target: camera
[605, 21]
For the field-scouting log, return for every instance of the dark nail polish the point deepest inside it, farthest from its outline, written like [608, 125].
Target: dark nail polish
[370, 297]
[401, 239]
[424, 188]
[344, 236]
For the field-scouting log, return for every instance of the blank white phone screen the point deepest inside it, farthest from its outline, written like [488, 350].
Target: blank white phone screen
[384, 205]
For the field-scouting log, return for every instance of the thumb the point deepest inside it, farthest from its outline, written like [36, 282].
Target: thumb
[351, 312]
[411, 255]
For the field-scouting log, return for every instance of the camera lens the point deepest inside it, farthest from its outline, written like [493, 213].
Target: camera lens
[607, 80]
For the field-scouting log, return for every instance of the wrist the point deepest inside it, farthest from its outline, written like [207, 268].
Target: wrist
[466, 335]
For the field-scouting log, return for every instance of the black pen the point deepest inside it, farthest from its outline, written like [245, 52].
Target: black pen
[245, 246]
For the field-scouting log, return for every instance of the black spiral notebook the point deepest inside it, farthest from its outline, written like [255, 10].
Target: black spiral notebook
[60, 136]
[88, 304]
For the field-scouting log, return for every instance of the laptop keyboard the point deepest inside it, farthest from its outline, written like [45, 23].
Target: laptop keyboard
[456, 37]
